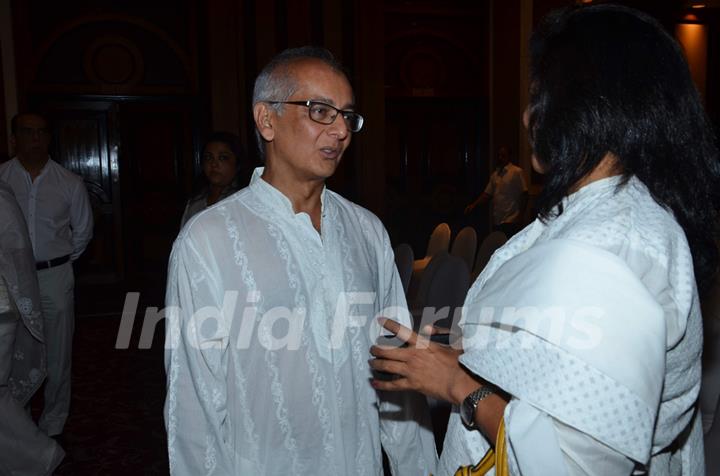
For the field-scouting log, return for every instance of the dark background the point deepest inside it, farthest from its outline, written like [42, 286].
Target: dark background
[133, 86]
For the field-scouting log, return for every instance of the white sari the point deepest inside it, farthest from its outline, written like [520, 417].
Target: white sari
[591, 322]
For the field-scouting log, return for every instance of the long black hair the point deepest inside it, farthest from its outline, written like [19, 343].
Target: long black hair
[608, 78]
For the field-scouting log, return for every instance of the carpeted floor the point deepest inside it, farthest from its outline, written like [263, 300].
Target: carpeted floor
[115, 425]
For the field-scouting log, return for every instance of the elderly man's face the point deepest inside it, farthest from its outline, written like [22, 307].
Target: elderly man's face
[302, 147]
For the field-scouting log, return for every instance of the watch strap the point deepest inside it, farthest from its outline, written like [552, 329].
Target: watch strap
[469, 405]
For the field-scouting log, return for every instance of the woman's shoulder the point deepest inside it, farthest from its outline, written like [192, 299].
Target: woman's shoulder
[627, 220]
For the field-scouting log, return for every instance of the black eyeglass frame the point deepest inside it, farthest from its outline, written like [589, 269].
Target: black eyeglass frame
[344, 112]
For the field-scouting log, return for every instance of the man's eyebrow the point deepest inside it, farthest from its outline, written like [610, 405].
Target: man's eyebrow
[349, 106]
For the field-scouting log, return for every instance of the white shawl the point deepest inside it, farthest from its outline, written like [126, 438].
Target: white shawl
[17, 268]
[591, 322]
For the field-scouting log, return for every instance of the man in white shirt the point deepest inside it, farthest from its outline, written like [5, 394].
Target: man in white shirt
[271, 304]
[508, 191]
[55, 204]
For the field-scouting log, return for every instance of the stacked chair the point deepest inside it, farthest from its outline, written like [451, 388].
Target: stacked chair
[465, 245]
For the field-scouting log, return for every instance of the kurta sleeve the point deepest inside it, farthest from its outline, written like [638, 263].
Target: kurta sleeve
[81, 220]
[405, 425]
[196, 365]
[564, 450]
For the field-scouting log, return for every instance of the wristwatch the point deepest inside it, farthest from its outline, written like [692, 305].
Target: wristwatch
[469, 405]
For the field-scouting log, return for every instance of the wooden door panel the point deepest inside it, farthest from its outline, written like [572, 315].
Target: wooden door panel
[83, 143]
[156, 160]
[136, 158]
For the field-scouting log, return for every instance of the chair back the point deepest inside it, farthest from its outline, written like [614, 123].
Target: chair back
[439, 240]
[488, 246]
[427, 277]
[464, 246]
[449, 287]
[404, 258]
[444, 283]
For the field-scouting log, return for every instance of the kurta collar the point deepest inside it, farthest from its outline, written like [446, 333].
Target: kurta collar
[594, 189]
[275, 198]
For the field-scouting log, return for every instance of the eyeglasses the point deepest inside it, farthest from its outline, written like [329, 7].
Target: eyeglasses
[325, 113]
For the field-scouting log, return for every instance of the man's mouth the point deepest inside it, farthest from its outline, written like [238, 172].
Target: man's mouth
[330, 152]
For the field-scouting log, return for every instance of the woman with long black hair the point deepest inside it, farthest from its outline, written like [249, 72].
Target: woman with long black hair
[582, 337]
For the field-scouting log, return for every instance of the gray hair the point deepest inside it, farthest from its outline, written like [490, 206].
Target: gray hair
[276, 83]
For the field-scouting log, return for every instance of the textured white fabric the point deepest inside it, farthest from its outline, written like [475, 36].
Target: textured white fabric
[18, 277]
[248, 397]
[593, 320]
[506, 186]
[24, 449]
[192, 207]
[56, 208]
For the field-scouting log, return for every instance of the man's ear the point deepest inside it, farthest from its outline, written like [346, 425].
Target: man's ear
[13, 142]
[264, 121]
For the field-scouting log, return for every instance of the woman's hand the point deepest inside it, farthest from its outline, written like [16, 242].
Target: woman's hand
[424, 366]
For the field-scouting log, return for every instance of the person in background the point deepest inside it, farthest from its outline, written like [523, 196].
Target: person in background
[280, 382]
[508, 192]
[24, 449]
[222, 160]
[582, 337]
[58, 214]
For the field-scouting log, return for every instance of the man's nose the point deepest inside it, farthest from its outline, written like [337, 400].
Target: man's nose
[339, 128]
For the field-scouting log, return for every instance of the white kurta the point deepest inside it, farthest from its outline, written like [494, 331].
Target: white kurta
[279, 382]
[592, 323]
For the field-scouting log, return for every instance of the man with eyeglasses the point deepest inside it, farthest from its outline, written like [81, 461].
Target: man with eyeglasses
[271, 304]
[57, 210]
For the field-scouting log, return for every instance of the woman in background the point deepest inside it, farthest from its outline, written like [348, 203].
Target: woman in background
[582, 336]
[222, 160]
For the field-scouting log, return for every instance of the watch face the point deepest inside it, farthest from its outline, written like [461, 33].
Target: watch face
[467, 411]
[468, 406]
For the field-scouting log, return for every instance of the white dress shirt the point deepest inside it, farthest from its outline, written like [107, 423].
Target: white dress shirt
[279, 382]
[56, 208]
[591, 322]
